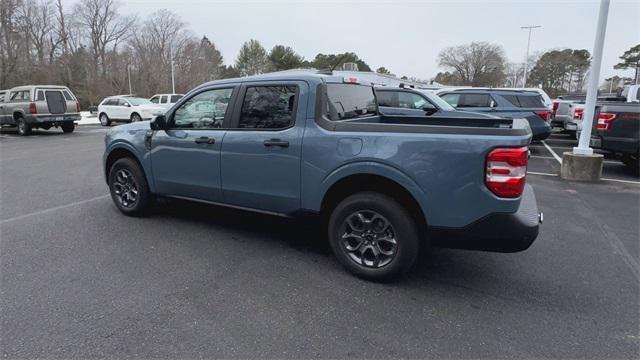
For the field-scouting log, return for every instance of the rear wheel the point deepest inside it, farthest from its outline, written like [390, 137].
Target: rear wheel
[128, 187]
[68, 128]
[104, 120]
[633, 162]
[373, 236]
[24, 129]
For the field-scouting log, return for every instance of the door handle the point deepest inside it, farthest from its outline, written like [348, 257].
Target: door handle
[276, 142]
[205, 140]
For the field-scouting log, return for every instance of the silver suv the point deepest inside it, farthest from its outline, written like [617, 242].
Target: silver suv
[39, 106]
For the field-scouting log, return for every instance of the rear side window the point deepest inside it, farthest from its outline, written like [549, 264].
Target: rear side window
[268, 107]
[175, 98]
[40, 96]
[475, 100]
[67, 95]
[525, 101]
[1, 96]
[348, 101]
[387, 98]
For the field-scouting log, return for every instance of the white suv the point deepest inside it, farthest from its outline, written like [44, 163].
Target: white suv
[127, 108]
[166, 100]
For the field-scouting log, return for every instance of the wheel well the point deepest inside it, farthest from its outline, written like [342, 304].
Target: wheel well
[116, 155]
[367, 182]
[17, 115]
[134, 113]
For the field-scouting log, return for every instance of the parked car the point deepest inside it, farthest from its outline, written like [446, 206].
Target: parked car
[39, 107]
[567, 114]
[616, 129]
[545, 97]
[631, 93]
[315, 143]
[166, 100]
[417, 102]
[127, 108]
[503, 103]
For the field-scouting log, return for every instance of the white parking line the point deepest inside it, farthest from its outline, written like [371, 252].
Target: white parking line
[40, 212]
[552, 158]
[552, 152]
[603, 179]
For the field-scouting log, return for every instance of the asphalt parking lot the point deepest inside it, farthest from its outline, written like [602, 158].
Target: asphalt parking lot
[80, 280]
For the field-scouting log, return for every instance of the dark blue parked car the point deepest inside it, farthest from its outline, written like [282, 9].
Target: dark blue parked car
[503, 103]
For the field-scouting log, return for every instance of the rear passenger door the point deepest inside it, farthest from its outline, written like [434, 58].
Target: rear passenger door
[261, 151]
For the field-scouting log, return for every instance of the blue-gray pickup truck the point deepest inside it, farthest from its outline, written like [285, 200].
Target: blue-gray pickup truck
[297, 143]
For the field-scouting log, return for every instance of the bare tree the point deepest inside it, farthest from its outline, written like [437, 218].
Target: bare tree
[476, 64]
[105, 27]
[10, 41]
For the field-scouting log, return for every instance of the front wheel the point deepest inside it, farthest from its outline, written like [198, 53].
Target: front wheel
[128, 187]
[374, 236]
[135, 117]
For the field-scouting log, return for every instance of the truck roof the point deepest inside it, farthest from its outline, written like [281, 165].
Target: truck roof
[309, 75]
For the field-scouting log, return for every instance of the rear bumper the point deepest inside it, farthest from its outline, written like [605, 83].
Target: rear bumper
[52, 119]
[498, 232]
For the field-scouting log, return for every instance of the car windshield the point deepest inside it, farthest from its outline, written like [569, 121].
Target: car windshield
[138, 101]
[443, 105]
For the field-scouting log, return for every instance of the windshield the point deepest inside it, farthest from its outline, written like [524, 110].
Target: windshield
[138, 101]
[348, 101]
[441, 104]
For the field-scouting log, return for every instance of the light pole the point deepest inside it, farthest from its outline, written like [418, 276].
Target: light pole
[173, 77]
[594, 78]
[129, 74]
[526, 59]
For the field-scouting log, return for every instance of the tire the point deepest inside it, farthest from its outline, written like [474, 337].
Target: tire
[121, 187]
[24, 129]
[135, 117]
[68, 128]
[377, 211]
[632, 162]
[104, 119]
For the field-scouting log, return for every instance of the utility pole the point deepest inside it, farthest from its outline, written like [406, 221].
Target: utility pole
[526, 59]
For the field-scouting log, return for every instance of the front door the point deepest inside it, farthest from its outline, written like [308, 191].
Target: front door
[262, 148]
[185, 159]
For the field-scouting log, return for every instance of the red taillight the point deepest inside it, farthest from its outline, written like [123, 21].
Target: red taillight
[554, 110]
[77, 106]
[605, 120]
[543, 114]
[506, 171]
[32, 108]
[577, 114]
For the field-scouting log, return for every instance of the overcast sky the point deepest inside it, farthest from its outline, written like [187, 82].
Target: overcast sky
[404, 36]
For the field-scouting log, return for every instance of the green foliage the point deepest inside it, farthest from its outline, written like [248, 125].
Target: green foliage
[283, 58]
[252, 58]
[630, 60]
[383, 70]
[327, 61]
[560, 71]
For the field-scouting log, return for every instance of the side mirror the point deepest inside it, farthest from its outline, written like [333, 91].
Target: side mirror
[429, 110]
[159, 123]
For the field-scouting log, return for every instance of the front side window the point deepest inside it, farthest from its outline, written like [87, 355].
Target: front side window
[122, 102]
[452, 99]
[348, 101]
[203, 111]
[412, 101]
[16, 95]
[40, 96]
[268, 107]
[154, 100]
[138, 101]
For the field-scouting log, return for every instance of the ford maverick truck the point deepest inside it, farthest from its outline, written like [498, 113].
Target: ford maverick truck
[298, 143]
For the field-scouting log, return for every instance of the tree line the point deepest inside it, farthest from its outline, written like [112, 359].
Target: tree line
[96, 51]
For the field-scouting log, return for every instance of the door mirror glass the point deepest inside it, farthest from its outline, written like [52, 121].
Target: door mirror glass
[159, 123]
